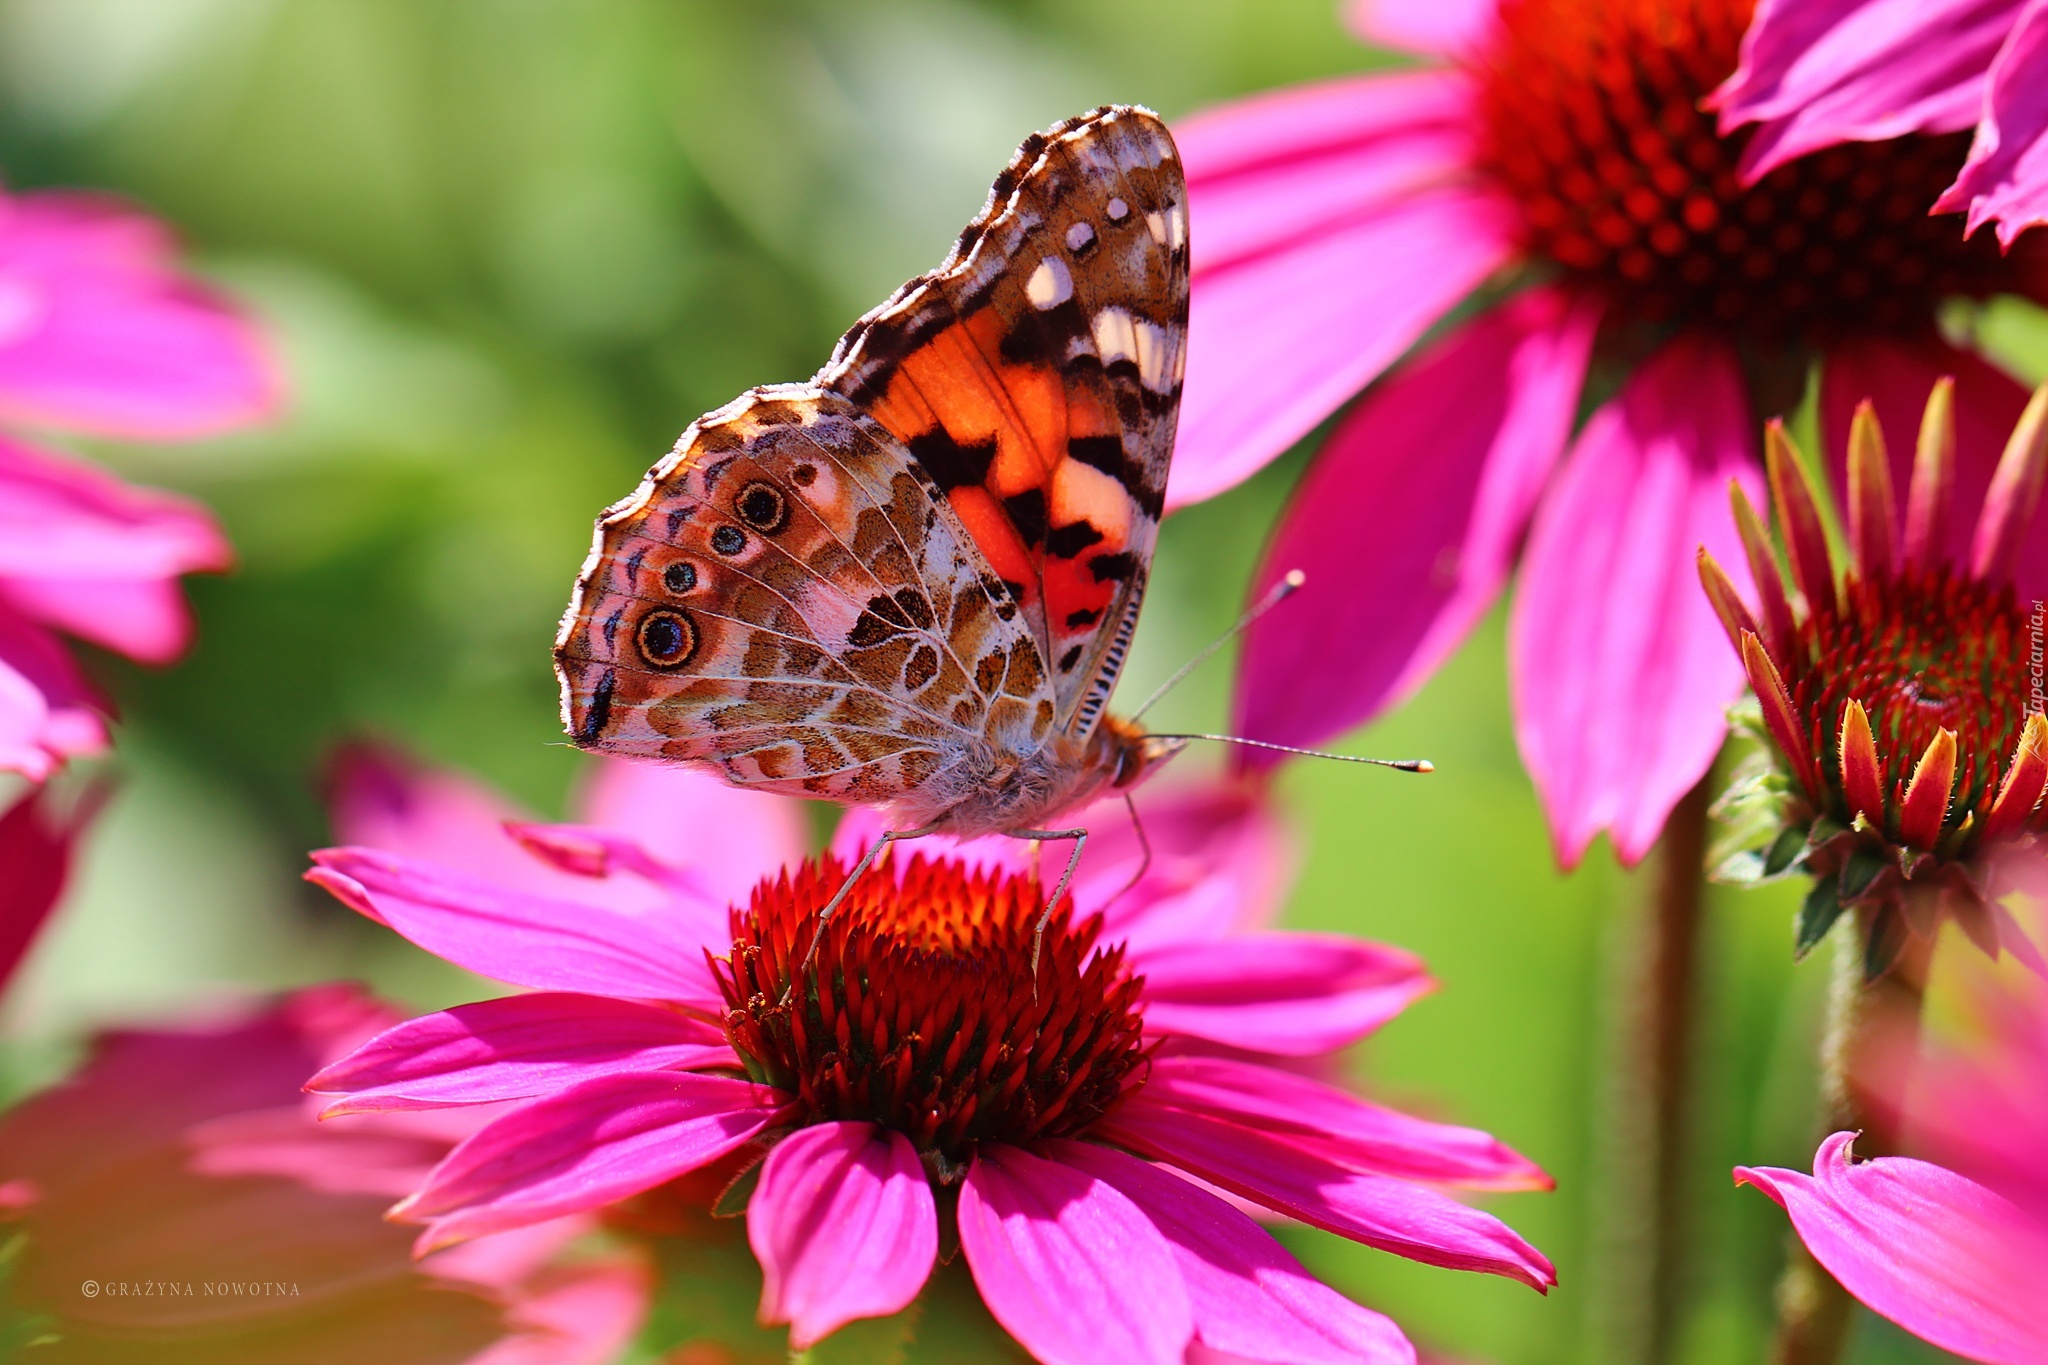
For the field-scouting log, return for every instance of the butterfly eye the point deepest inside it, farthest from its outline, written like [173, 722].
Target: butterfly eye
[679, 577]
[728, 540]
[762, 506]
[667, 638]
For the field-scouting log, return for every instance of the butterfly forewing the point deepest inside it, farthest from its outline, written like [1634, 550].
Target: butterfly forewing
[1036, 376]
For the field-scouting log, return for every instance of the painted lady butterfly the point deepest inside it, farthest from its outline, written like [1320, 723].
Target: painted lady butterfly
[911, 582]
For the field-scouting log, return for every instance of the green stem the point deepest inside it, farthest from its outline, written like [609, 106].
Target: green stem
[1814, 1317]
[1643, 1240]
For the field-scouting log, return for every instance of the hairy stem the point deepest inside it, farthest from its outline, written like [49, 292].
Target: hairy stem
[1658, 994]
[1814, 1312]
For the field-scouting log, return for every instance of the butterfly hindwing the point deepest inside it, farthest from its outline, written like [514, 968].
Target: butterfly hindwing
[1036, 378]
[789, 597]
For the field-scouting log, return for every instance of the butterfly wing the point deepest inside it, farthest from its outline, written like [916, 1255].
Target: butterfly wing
[788, 596]
[1036, 377]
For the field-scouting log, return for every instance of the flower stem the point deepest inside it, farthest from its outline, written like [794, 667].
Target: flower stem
[1658, 993]
[1814, 1316]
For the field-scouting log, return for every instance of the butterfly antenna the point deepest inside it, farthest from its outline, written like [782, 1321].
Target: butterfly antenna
[1406, 765]
[1288, 585]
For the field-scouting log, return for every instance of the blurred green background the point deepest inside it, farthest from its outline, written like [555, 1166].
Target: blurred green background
[508, 249]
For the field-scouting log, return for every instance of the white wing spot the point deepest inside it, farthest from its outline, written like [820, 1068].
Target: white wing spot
[1157, 356]
[1079, 236]
[1169, 227]
[1118, 210]
[1115, 336]
[1049, 285]
[1155, 350]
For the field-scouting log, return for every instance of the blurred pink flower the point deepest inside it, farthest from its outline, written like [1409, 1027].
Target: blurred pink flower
[37, 836]
[189, 1160]
[658, 1039]
[1815, 73]
[101, 335]
[1553, 174]
[1953, 1248]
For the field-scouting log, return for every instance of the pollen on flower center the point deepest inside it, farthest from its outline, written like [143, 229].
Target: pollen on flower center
[1590, 118]
[1923, 651]
[921, 1011]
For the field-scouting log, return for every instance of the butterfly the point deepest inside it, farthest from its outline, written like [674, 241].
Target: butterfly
[911, 582]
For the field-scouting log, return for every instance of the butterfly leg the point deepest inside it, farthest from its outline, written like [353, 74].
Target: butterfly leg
[867, 859]
[1144, 852]
[1040, 836]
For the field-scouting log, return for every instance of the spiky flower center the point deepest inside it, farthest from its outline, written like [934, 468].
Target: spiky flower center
[1924, 650]
[921, 1010]
[1591, 119]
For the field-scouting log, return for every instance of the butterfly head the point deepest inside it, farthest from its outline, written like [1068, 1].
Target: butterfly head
[1133, 755]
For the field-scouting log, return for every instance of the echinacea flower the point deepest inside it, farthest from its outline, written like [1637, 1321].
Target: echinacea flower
[101, 335]
[917, 1079]
[176, 1201]
[1952, 1242]
[1899, 695]
[1815, 73]
[1554, 172]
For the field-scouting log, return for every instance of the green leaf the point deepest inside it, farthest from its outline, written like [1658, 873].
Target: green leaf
[1739, 869]
[1864, 867]
[732, 1200]
[1785, 852]
[1887, 936]
[1818, 915]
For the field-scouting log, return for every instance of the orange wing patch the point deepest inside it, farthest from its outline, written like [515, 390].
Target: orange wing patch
[1036, 377]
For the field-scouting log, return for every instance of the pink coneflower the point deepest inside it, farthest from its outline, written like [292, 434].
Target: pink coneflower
[101, 335]
[918, 1079]
[1954, 1248]
[181, 1174]
[1815, 73]
[1898, 697]
[1555, 169]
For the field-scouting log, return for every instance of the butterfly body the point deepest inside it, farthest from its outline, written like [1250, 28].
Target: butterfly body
[911, 582]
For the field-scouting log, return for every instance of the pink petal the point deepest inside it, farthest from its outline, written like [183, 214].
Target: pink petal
[1250, 1298]
[1945, 1258]
[844, 1225]
[1379, 1211]
[516, 1048]
[1346, 1129]
[688, 818]
[47, 712]
[353, 1156]
[1897, 375]
[35, 862]
[1621, 673]
[590, 1145]
[99, 333]
[1450, 455]
[1279, 341]
[1279, 168]
[586, 1313]
[1221, 862]
[89, 554]
[2006, 178]
[1433, 28]
[1818, 72]
[1068, 1265]
[513, 936]
[1291, 994]
[380, 798]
